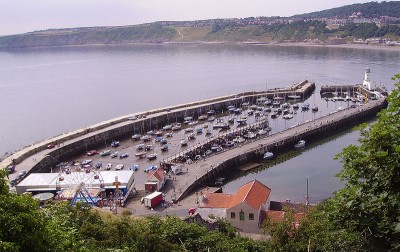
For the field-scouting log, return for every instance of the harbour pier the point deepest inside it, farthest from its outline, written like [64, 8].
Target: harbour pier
[38, 158]
[206, 172]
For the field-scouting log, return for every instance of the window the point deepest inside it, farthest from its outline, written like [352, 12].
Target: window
[251, 216]
[233, 215]
[241, 215]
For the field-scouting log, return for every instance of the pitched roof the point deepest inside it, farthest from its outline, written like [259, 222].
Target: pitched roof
[253, 193]
[158, 174]
[215, 200]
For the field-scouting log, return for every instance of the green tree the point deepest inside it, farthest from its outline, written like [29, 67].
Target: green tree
[370, 200]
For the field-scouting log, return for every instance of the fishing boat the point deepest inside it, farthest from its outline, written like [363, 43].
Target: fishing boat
[268, 155]
[184, 142]
[164, 147]
[187, 119]
[177, 127]
[105, 153]
[242, 120]
[192, 123]
[145, 138]
[136, 137]
[202, 117]
[187, 130]
[211, 113]
[140, 154]
[140, 146]
[152, 156]
[262, 132]
[159, 133]
[305, 106]
[148, 147]
[221, 125]
[300, 144]
[167, 127]
[288, 116]
[151, 132]
[192, 136]
[169, 134]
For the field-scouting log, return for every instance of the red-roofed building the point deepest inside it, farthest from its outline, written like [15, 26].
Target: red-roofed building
[155, 180]
[242, 209]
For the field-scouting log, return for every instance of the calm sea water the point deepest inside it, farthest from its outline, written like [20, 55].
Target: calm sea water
[46, 92]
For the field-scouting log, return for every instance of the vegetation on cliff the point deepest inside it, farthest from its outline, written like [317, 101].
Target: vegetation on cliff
[368, 10]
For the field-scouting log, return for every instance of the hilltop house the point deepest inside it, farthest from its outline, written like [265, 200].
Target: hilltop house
[243, 210]
[155, 180]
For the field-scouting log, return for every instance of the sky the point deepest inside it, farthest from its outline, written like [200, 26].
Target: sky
[18, 16]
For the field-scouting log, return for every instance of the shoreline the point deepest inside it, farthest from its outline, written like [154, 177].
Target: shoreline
[255, 43]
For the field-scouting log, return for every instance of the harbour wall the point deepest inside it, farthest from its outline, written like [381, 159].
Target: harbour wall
[74, 143]
[285, 140]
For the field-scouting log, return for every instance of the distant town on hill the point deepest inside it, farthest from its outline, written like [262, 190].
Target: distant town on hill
[368, 23]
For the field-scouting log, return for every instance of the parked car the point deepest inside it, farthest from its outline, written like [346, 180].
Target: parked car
[150, 168]
[51, 146]
[124, 155]
[134, 167]
[115, 144]
[91, 153]
[114, 155]
[22, 173]
[11, 168]
[99, 165]
[109, 166]
[13, 182]
[119, 167]
[86, 162]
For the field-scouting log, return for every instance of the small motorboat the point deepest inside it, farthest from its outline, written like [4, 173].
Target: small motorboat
[167, 127]
[136, 137]
[202, 117]
[184, 142]
[314, 108]
[105, 153]
[140, 154]
[300, 144]
[152, 156]
[145, 138]
[164, 147]
[192, 136]
[188, 130]
[268, 155]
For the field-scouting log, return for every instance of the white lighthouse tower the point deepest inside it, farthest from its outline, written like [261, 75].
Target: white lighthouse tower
[367, 81]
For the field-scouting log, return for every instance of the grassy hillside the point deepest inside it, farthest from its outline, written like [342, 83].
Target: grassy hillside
[151, 33]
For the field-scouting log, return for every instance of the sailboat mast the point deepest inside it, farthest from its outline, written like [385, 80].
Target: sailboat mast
[307, 203]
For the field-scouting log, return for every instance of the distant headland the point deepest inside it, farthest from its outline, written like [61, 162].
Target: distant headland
[362, 24]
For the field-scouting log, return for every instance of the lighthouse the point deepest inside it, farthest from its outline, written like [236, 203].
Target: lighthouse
[367, 81]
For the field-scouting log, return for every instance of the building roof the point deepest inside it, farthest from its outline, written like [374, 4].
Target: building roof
[157, 175]
[49, 181]
[253, 193]
[216, 200]
[278, 216]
